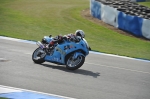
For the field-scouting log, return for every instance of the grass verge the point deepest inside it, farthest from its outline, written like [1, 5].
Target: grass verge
[3, 98]
[32, 20]
[145, 3]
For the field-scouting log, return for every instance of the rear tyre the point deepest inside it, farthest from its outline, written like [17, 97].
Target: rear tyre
[73, 64]
[38, 56]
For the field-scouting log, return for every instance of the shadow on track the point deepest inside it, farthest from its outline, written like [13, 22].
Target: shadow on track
[78, 71]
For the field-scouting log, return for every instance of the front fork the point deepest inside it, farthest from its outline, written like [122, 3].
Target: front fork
[40, 45]
[42, 52]
[45, 49]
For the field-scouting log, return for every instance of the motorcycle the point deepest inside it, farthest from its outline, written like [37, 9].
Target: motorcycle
[69, 53]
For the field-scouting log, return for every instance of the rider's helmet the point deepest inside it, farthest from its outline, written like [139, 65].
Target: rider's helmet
[80, 33]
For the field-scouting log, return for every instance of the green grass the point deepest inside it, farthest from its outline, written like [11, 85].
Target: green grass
[145, 3]
[3, 98]
[32, 19]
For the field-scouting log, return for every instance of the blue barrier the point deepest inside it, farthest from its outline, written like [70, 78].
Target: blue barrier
[130, 23]
[121, 20]
[95, 9]
[134, 25]
[140, 0]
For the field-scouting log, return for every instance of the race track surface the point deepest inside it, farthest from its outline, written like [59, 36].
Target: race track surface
[101, 77]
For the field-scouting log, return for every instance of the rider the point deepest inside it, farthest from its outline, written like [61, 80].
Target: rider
[73, 37]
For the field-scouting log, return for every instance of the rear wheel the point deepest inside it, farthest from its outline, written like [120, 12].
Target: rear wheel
[73, 64]
[38, 56]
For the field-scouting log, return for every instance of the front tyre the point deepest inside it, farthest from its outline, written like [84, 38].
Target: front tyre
[38, 56]
[73, 64]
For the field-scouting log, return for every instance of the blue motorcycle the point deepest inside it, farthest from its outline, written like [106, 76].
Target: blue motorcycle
[69, 53]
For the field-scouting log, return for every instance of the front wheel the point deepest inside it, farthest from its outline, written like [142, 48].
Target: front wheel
[38, 56]
[73, 64]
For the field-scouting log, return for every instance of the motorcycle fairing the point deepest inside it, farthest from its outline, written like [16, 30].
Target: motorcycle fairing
[61, 50]
[47, 38]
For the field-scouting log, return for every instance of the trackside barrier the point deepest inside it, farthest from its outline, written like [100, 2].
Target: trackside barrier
[140, 0]
[106, 12]
[133, 0]
[146, 28]
[133, 24]
[95, 9]
[130, 23]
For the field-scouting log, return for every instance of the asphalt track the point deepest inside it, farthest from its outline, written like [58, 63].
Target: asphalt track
[101, 77]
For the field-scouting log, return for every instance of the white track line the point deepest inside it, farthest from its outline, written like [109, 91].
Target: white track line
[118, 68]
[13, 89]
[120, 56]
